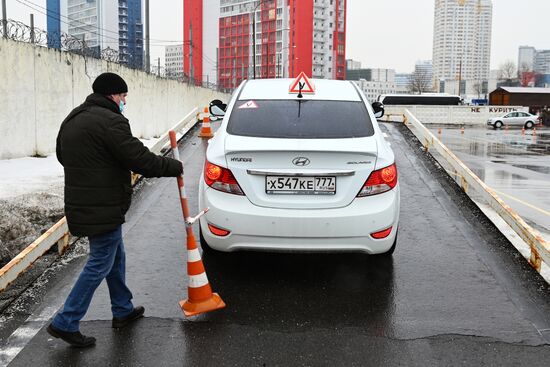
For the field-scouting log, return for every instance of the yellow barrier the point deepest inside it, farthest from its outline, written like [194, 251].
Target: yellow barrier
[59, 232]
[540, 249]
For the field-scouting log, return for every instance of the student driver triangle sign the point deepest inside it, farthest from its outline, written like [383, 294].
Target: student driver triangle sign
[302, 82]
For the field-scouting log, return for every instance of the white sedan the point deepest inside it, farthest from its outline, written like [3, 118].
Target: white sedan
[310, 174]
[522, 119]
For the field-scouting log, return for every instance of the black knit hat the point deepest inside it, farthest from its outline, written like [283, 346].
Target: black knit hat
[109, 83]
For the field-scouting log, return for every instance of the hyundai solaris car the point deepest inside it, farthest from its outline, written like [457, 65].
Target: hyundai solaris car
[308, 172]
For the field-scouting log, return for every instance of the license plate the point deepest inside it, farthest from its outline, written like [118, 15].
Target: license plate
[310, 185]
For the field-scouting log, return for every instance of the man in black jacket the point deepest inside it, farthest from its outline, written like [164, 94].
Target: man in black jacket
[97, 151]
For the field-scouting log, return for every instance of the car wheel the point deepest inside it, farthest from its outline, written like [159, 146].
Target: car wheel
[204, 245]
[529, 125]
[498, 125]
[390, 252]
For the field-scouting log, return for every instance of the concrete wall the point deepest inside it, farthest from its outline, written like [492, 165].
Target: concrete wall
[453, 115]
[40, 86]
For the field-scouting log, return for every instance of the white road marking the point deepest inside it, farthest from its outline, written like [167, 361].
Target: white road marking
[23, 335]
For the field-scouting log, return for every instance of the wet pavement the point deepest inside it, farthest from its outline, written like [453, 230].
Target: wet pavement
[455, 293]
[514, 163]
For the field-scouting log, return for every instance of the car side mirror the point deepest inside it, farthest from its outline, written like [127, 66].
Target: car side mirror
[378, 109]
[217, 108]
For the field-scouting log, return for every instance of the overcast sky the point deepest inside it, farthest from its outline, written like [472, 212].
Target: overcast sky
[383, 34]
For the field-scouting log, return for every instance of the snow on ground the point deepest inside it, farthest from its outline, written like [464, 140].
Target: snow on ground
[31, 200]
[30, 175]
[34, 175]
[24, 218]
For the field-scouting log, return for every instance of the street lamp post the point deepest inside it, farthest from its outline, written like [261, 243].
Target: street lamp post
[260, 2]
[4, 20]
[283, 64]
[296, 58]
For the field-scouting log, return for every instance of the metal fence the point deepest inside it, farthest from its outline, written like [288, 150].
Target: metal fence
[19, 31]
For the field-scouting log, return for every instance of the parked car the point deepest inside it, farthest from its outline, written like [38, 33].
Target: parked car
[310, 173]
[523, 119]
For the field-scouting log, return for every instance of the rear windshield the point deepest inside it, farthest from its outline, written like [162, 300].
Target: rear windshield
[294, 119]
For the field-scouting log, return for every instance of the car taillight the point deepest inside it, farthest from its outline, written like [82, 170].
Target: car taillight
[221, 179]
[218, 231]
[381, 234]
[380, 181]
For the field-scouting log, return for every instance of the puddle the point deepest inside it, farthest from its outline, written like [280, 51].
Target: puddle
[539, 169]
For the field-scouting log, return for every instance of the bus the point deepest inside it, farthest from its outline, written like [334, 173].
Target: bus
[430, 99]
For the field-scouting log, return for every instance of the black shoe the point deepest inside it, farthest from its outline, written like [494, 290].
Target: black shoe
[76, 339]
[120, 322]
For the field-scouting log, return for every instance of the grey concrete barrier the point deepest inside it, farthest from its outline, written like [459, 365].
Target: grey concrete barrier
[451, 115]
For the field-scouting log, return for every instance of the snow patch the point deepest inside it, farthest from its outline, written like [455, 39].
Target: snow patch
[24, 218]
[30, 175]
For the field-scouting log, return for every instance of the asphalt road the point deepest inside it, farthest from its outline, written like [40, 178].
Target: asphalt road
[515, 164]
[455, 293]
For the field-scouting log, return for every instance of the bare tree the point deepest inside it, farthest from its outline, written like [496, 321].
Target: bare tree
[507, 71]
[478, 87]
[420, 82]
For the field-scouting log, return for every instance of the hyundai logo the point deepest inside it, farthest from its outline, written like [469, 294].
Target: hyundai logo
[300, 161]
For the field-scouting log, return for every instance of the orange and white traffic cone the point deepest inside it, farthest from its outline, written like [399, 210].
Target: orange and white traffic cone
[462, 130]
[522, 131]
[206, 129]
[200, 297]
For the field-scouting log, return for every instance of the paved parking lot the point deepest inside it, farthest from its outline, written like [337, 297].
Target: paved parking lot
[515, 164]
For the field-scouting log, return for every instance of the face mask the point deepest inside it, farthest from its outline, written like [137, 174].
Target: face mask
[121, 106]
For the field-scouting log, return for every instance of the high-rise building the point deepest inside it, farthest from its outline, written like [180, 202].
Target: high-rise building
[542, 62]
[101, 24]
[130, 29]
[173, 61]
[526, 58]
[287, 37]
[532, 60]
[462, 39]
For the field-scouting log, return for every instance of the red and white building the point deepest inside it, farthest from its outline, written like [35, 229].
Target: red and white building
[291, 36]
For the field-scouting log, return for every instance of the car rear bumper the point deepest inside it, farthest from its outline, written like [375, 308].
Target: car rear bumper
[308, 230]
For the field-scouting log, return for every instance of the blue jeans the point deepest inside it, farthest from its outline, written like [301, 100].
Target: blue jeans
[106, 260]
